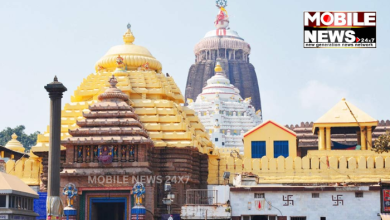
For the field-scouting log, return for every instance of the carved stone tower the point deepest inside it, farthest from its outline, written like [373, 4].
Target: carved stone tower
[225, 46]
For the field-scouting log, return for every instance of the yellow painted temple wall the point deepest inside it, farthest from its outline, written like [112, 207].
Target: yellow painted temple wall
[27, 169]
[313, 169]
[269, 132]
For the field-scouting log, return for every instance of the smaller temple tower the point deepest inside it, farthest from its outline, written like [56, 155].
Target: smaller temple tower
[14, 144]
[223, 112]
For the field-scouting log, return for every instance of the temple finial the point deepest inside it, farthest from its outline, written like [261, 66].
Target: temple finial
[128, 37]
[218, 68]
[222, 20]
[113, 81]
[55, 79]
[14, 136]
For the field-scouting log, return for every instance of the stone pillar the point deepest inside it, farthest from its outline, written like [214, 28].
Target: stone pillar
[363, 132]
[321, 139]
[54, 204]
[369, 138]
[328, 140]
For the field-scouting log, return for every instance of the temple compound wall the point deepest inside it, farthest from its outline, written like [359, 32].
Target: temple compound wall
[363, 169]
[15, 161]
[27, 169]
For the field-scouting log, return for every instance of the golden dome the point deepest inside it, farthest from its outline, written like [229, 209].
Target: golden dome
[218, 68]
[134, 56]
[14, 144]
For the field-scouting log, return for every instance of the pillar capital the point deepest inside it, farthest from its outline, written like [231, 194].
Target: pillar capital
[55, 89]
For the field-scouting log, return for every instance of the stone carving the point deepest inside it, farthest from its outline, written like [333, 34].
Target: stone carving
[105, 155]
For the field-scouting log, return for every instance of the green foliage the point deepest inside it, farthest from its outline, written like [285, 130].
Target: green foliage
[28, 140]
[382, 143]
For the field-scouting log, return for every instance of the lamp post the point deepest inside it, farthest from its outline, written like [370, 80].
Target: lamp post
[54, 204]
[169, 199]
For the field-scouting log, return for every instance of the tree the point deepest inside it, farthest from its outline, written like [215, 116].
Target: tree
[382, 143]
[28, 140]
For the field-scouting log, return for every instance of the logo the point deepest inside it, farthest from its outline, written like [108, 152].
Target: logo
[339, 29]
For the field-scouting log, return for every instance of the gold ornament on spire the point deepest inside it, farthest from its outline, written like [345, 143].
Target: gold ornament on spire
[218, 68]
[133, 56]
[128, 37]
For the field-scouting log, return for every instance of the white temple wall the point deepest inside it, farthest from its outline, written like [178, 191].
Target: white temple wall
[302, 204]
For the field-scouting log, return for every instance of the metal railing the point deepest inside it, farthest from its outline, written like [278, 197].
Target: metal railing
[201, 197]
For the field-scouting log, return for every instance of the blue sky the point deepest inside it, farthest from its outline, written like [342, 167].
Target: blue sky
[40, 39]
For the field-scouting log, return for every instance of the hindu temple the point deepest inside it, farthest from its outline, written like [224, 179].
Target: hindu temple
[224, 113]
[125, 125]
[225, 46]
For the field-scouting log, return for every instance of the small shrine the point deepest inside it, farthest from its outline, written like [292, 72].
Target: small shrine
[223, 112]
[14, 144]
[344, 118]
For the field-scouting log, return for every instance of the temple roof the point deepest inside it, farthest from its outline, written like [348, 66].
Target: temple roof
[10, 184]
[270, 122]
[219, 85]
[309, 140]
[229, 33]
[14, 144]
[344, 114]
[133, 55]
[154, 97]
[110, 121]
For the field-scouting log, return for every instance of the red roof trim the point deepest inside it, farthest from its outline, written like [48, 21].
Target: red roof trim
[268, 122]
